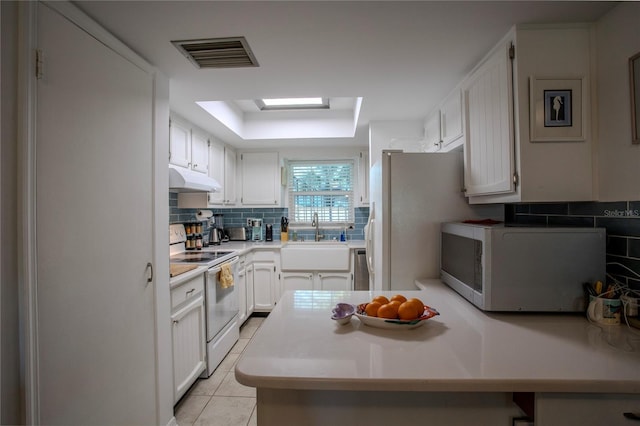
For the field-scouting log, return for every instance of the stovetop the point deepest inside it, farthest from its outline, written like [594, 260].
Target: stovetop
[198, 256]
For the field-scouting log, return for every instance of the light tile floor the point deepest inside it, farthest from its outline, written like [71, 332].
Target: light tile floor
[220, 400]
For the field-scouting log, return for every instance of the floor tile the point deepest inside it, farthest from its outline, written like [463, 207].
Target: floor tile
[226, 411]
[231, 387]
[209, 385]
[190, 408]
[248, 331]
[229, 362]
[239, 346]
[253, 421]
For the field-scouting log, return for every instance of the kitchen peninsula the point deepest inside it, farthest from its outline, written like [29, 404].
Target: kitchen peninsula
[461, 367]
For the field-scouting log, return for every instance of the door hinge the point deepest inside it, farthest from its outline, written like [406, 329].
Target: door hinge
[512, 52]
[39, 64]
[516, 179]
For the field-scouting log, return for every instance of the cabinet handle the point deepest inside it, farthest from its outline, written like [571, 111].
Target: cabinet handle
[191, 291]
[150, 268]
[632, 416]
[175, 322]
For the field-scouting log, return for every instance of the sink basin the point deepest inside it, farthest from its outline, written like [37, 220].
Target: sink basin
[315, 256]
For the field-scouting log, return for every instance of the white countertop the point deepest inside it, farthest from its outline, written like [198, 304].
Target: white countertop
[464, 349]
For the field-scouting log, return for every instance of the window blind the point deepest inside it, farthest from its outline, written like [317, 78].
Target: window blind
[322, 187]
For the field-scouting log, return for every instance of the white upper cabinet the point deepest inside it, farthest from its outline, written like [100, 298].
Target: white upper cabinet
[179, 143]
[363, 179]
[432, 131]
[229, 176]
[222, 169]
[188, 147]
[216, 171]
[443, 127]
[451, 119]
[503, 163]
[488, 152]
[199, 152]
[260, 179]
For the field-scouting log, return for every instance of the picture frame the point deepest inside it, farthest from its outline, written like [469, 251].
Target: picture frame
[634, 85]
[557, 109]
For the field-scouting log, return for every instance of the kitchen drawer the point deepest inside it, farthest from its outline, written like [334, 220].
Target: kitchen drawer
[264, 256]
[187, 290]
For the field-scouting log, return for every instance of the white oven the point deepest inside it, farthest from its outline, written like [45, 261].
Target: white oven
[223, 329]
[222, 324]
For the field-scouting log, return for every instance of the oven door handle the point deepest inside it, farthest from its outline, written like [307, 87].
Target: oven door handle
[216, 269]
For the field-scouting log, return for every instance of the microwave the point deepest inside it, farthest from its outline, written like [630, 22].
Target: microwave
[514, 268]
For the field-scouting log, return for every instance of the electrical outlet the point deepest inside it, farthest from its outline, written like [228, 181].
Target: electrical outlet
[248, 222]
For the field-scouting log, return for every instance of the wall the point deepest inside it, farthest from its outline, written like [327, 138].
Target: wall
[618, 38]
[12, 400]
[238, 217]
[621, 220]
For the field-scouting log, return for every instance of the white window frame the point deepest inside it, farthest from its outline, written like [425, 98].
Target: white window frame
[322, 219]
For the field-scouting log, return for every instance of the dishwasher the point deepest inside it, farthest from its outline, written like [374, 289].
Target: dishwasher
[361, 271]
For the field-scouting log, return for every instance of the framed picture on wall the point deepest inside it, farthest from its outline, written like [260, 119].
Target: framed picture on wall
[556, 109]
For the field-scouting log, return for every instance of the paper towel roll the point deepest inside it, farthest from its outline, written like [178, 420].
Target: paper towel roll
[204, 214]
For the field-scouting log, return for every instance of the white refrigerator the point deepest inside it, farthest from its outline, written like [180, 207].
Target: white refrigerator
[411, 195]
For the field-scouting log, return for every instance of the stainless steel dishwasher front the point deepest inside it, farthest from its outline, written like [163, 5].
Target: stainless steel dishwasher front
[361, 273]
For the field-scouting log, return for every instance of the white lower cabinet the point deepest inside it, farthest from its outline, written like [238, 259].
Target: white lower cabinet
[188, 334]
[313, 280]
[241, 284]
[265, 279]
[585, 409]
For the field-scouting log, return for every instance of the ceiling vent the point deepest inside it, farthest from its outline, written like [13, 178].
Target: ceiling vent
[229, 52]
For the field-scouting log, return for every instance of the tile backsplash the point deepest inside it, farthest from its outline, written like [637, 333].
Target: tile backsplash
[620, 219]
[238, 217]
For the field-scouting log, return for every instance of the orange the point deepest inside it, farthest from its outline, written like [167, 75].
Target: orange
[389, 311]
[383, 300]
[408, 311]
[418, 304]
[372, 309]
[400, 298]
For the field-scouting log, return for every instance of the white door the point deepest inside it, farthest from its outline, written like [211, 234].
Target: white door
[199, 152]
[337, 281]
[297, 281]
[260, 178]
[179, 144]
[95, 348]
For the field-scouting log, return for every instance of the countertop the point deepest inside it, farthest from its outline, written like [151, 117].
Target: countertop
[464, 349]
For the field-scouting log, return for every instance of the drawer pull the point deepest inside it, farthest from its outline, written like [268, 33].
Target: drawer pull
[191, 291]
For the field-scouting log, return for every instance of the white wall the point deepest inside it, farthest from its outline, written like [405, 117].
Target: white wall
[618, 38]
[12, 400]
[403, 135]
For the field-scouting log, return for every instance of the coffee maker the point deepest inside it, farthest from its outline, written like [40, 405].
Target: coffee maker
[256, 229]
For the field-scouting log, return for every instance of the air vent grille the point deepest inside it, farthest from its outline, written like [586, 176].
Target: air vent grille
[230, 52]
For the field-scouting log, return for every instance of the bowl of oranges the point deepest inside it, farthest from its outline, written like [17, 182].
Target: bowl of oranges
[396, 312]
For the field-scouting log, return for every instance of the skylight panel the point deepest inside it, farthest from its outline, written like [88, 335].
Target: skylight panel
[292, 103]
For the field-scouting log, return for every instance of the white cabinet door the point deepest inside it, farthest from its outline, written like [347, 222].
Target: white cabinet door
[94, 322]
[451, 119]
[489, 144]
[363, 178]
[297, 281]
[260, 179]
[199, 152]
[217, 172]
[334, 281]
[229, 176]
[189, 345]
[179, 143]
[250, 289]
[264, 285]
[587, 409]
[241, 284]
[432, 135]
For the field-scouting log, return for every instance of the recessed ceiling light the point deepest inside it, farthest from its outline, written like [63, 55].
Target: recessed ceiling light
[292, 103]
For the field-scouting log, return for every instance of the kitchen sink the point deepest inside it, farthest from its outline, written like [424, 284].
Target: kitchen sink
[315, 256]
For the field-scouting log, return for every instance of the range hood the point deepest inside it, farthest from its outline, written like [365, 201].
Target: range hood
[185, 180]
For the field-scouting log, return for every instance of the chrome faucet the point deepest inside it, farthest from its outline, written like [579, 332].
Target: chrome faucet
[315, 222]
